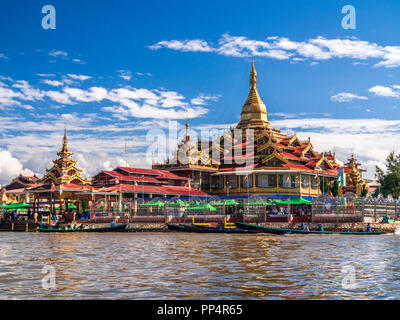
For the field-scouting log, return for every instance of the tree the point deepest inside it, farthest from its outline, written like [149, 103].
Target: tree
[390, 181]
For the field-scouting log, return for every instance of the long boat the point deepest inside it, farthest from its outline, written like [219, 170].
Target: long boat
[205, 229]
[246, 226]
[116, 228]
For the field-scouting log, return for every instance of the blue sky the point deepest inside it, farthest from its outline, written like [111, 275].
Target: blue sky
[113, 70]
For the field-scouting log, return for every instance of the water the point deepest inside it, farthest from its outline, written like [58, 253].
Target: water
[199, 266]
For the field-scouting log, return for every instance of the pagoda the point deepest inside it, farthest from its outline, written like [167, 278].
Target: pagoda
[255, 158]
[64, 170]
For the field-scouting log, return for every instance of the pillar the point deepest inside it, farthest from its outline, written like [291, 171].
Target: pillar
[92, 206]
[120, 201]
[135, 203]
[61, 205]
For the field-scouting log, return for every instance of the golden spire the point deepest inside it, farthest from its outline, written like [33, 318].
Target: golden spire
[254, 112]
[253, 75]
[64, 153]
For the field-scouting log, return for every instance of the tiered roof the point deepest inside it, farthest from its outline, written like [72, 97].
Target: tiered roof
[64, 169]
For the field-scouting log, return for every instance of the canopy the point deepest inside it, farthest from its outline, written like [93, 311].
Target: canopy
[178, 203]
[299, 200]
[229, 202]
[257, 203]
[17, 206]
[294, 201]
[153, 203]
[202, 207]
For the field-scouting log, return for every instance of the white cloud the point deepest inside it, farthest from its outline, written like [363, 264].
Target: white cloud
[383, 91]
[10, 167]
[281, 48]
[125, 74]
[58, 53]
[78, 61]
[78, 77]
[185, 45]
[46, 75]
[54, 83]
[346, 97]
[202, 99]
[3, 56]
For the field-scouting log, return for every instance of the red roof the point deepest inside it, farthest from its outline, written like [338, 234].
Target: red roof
[170, 175]
[247, 155]
[142, 171]
[161, 174]
[172, 190]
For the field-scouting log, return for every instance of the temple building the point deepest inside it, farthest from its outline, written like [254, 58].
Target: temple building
[18, 189]
[354, 180]
[63, 186]
[144, 183]
[255, 158]
[190, 161]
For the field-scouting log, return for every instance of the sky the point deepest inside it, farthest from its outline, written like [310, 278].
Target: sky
[116, 73]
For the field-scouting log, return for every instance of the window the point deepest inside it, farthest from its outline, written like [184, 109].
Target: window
[232, 181]
[266, 180]
[247, 183]
[304, 181]
[314, 182]
[217, 182]
[284, 180]
[205, 180]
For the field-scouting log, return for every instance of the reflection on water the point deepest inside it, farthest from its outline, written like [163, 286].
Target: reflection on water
[198, 266]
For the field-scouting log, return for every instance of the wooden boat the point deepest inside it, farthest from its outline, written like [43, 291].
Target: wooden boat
[246, 226]
[116, 228]
[205, 229]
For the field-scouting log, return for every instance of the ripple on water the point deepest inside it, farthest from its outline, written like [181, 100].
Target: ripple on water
[194, 266]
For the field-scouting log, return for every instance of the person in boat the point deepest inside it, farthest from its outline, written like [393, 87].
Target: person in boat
[369, 229]
[112, 223]
[320, 227]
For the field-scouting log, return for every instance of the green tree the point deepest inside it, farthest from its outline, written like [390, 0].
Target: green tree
[390, 180]
[334, 188]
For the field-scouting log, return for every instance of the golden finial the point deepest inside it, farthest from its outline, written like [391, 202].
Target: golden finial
[253, 74]
[65, 135]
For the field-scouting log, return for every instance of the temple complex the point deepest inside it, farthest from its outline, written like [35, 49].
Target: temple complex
[255, 158]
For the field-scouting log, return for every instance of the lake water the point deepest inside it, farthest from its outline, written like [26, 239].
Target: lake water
[199, 266]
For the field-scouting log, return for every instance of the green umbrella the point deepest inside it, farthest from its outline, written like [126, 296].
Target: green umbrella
[230, 202]
[217, 203]
[178, 203]
[153, 203]
[299, 200]
[17, 206]
[257, 203]
[280, 202]
[202, 207]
